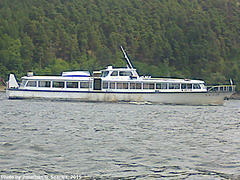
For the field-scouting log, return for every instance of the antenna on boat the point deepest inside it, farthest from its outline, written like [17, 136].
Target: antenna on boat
[126, 57]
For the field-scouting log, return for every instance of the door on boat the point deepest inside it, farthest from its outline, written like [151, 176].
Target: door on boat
[97, 84]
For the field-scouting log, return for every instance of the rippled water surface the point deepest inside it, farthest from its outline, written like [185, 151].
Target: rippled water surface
[119, 140]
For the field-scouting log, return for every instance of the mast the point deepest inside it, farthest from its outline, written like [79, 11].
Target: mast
[126, 57]
[135, 73]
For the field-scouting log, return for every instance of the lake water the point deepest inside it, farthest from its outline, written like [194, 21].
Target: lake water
[74, 140]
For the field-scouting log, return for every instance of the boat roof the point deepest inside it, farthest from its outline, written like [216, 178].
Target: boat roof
[54, 78]
[76, 74]
[61, 78]
[172, 80]
[111, 68]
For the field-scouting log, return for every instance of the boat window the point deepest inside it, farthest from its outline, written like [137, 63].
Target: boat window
[44, 83]
[58, 84]
[114, 73]
[119, 85]
[148, 85]
[132, 85]
[32, 84]
[186, 86]
[72, 84]
[174, 86]
[125, 73]
[145, 85]
[105, 85]
[23, 83]
[161, 86]
[202, 86]
[84, 84]
[151, 85]
[183, 86]
[125, 85]
[189, 86]
[196, 86]
[112, 85]
[138, 85]
[104, 73]
[164, 85]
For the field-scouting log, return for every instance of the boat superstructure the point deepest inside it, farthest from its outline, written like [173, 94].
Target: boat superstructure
[118, 84]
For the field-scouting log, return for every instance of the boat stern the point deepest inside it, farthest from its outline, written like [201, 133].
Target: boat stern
[12, 82]
[11, 85]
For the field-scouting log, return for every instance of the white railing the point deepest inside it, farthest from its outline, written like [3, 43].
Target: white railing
[221, 88]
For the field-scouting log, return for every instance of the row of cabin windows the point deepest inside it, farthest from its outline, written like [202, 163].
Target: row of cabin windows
[58, 84]
[125, 85]
[112, 85]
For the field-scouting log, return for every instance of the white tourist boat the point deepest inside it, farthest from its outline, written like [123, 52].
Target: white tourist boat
[117, 85]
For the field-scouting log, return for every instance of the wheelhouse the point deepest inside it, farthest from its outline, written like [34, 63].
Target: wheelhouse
[119, 73]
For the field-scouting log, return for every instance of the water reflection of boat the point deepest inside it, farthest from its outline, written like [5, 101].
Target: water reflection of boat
[118, 84]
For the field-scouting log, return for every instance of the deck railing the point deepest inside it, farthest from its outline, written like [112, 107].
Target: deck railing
[221, 88]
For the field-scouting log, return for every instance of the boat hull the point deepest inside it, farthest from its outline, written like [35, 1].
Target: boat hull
[187, 98]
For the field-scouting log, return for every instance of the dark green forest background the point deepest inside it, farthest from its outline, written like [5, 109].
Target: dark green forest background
[169, 38]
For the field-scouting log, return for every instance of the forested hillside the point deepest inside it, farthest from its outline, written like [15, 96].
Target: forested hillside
[178, 38]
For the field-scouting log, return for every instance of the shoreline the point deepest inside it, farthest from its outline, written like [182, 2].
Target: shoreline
[2, 88]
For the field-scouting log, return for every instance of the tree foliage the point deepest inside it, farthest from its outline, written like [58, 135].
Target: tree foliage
[181, 38]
